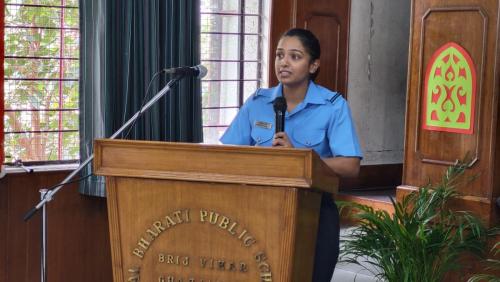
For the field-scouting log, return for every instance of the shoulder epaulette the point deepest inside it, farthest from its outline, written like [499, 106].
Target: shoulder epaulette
[257, 92]
[334, 97]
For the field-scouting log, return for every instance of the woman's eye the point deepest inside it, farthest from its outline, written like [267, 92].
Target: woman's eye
[279, 55]
[295, 57]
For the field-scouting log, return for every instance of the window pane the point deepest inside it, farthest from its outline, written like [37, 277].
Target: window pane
[220, 23]
[252, 6]
[41, 146]
[28, 95]
[70, 69]
[70, 94]
[73, 3]
[222, 70]
[36, 68]
[252, 24]
[218, 117]
[220, 94]
[250, 88]
[252, 70]
[211, 135]
[71, 17]
[220, 46]
[20, 121]
[225, 6]
[252, 47]
[39, 16]
[20, 42]
[71, 44]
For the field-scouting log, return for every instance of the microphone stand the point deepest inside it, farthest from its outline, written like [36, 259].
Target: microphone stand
[47, 195]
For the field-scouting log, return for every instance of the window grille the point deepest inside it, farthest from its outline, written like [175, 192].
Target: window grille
[41, 62]
[231, 40]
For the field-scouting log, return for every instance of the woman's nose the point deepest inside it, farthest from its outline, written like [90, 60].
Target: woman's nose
[284, 61]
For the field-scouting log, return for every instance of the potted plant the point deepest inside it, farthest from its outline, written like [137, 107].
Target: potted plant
[421, 241]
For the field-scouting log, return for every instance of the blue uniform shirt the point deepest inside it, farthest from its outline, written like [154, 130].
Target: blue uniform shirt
[322, 122]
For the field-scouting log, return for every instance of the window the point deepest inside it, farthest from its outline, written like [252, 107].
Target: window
[232, 49]
[41, 80]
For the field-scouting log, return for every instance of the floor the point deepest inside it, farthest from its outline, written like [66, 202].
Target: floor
[350, 272]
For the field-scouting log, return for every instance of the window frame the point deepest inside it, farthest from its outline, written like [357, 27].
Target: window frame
[61, 61]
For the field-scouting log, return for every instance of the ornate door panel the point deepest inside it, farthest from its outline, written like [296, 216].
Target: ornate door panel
[453, 88]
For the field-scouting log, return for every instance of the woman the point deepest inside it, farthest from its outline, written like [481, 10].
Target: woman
[316, 118]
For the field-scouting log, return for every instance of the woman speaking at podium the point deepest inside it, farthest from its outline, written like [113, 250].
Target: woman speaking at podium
[315, 118]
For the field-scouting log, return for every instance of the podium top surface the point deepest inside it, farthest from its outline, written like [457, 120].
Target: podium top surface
[300, 168]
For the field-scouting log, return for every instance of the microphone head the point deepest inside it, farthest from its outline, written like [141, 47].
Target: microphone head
[202, 71]
[279, 104]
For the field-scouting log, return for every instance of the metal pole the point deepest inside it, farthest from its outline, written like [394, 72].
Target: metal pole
[43, 259]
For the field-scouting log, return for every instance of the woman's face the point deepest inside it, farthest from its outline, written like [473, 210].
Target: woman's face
[293, 64]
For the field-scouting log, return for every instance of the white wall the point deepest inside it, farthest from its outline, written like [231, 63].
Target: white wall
[378, 59]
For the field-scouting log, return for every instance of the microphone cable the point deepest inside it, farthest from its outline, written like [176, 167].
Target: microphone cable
[72, 181]
[174, 80]
[144, 98]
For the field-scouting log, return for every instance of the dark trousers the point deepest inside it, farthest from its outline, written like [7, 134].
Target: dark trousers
[327, 240]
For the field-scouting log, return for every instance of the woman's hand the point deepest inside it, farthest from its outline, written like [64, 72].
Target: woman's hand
[281, 139]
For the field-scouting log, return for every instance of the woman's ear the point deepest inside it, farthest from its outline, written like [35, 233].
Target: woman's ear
[314, 66]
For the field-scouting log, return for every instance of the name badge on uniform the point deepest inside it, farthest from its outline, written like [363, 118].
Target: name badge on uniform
[263, 124]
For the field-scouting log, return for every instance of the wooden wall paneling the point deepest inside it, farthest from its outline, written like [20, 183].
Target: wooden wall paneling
[473, 25]
[78, 237]
[23, 247]
[371, 176]
[3, 229]
[495, 119]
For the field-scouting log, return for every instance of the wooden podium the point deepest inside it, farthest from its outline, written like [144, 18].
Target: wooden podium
[190, 212]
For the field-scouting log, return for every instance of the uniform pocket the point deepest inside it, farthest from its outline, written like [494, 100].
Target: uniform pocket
[309, 138]
[262, 136]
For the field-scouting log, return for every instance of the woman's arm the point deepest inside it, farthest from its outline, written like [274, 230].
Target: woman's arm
[344, 166]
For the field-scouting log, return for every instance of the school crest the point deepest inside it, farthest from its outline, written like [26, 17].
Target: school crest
[450, 91]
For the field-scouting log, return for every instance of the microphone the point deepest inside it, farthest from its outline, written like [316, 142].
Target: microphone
[198, 71]
[279, 105]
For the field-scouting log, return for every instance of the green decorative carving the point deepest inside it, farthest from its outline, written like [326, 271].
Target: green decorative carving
[450, 90]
